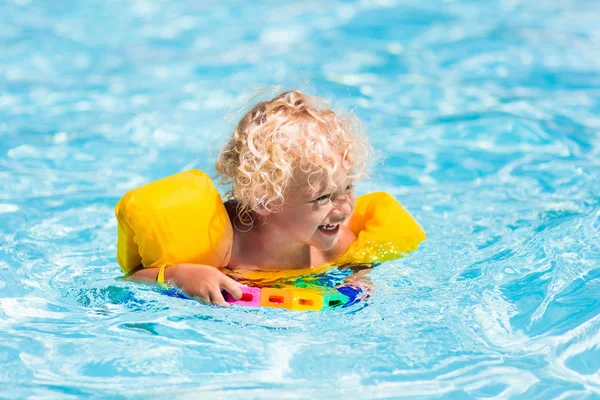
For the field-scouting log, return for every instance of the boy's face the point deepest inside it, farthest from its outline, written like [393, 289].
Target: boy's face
[313, 215]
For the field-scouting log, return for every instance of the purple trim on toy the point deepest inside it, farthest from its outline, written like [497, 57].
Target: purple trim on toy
[250, 297]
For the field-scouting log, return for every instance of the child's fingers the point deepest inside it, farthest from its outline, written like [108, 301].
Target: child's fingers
[217, 299]
[204, 299]
[233, 287]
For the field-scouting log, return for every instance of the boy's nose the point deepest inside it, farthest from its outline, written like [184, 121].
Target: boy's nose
[343, 204]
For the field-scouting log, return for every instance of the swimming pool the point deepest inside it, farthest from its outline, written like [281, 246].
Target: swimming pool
[486, 120]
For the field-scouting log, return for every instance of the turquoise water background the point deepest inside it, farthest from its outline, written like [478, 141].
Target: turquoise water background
[485, 117]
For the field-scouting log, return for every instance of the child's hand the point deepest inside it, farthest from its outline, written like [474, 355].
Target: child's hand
[361, 280]
[203, 283]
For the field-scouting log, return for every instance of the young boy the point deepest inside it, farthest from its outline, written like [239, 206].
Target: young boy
[292, 163]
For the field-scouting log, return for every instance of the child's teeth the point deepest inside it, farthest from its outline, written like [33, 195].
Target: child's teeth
[329, 227]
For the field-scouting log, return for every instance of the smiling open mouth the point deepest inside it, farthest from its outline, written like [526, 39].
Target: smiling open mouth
[329, 229]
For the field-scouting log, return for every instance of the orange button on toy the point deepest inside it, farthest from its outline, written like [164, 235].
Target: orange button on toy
[306, 299]
[276, 298]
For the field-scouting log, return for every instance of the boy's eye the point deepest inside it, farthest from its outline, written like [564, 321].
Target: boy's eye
[322, 199]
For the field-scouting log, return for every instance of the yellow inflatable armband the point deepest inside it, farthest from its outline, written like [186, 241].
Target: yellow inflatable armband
[384, 230]
[177, 219]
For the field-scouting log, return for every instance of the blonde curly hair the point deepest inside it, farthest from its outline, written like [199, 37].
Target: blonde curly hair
[276, 137]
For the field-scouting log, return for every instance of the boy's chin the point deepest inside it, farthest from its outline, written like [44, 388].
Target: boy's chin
[325, 244]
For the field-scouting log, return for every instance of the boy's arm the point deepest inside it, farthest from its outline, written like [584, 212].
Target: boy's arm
[201, 282]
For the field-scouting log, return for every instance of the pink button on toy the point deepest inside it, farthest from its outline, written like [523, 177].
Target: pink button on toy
[250, 297]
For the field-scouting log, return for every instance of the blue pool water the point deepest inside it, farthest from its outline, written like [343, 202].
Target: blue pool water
[486, 121]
